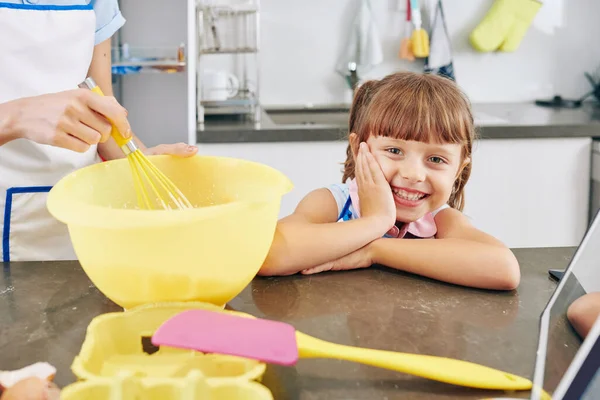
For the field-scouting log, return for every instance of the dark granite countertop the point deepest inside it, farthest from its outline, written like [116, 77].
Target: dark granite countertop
[45, 308]
[493, 120]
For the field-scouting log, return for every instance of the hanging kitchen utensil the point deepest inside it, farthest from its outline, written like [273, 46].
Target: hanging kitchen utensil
[406, 52]
[420, 38]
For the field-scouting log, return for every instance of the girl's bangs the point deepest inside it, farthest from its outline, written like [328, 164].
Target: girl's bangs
[427, 116]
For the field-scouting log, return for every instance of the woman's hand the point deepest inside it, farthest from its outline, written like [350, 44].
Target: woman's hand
[361, 258]
[74, 119]
[177, 149]
[374, 192]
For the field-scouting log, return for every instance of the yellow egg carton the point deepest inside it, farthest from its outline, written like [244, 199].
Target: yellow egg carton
[118, 362]
[194, 386]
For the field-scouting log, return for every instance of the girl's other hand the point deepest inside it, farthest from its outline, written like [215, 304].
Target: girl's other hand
[374, 192]
[361, 258]
[176, 149]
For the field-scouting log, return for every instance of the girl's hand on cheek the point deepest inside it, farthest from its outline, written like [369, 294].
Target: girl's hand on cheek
[374, 192]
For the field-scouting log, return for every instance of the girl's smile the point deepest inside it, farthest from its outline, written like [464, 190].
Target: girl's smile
[408, 197]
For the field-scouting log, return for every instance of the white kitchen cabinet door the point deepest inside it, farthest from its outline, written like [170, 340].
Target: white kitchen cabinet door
[531, 192]
[525, 192]
[309, 165]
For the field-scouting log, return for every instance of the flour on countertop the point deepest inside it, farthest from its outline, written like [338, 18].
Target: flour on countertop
[7, 290]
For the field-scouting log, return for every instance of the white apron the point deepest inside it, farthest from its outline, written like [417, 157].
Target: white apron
[43, 49]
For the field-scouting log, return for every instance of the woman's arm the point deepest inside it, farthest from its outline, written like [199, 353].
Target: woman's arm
[100, 70]
[311, 235]
[461, 254]
[7, 128]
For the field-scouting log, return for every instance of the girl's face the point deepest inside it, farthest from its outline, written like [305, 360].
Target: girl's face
[421, 175]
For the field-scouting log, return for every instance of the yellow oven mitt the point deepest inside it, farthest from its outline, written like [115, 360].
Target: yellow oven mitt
[505, 25]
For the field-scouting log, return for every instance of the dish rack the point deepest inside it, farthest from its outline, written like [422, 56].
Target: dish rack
[228, 35]
[130, 60]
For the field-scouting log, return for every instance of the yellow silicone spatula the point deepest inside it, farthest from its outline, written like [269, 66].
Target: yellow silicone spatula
[280, 343]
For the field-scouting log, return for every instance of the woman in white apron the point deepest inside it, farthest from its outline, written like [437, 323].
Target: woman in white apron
[49, 127]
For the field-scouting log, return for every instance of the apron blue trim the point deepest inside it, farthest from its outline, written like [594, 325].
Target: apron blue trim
[8, 212]
[48, 7]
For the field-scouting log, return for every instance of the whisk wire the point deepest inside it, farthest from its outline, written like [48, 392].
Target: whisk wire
[145, 174]
[170, 188]
[139, 160]
[142, 195]
[136, 183]
[160, 180]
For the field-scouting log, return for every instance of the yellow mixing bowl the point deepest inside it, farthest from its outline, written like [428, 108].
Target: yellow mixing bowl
[209, 253]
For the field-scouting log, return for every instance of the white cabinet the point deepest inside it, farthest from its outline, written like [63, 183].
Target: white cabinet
[531, 192]
[525, 192]
[308, 165]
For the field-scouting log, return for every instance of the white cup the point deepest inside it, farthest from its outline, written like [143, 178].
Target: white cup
[219, 85]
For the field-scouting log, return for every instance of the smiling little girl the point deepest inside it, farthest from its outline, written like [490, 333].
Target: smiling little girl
[408, 161]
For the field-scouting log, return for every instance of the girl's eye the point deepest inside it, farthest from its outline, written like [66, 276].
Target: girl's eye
[394, 150]
[437, 160]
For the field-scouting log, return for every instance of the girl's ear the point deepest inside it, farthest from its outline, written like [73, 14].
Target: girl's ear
[354, 144]
[465, 162]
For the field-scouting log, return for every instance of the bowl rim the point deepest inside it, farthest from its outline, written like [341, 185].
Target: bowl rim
[79, 213]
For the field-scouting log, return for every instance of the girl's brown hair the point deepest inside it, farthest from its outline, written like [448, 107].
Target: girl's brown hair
[414, 106]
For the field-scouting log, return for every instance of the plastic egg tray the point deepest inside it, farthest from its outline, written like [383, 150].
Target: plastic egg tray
[118, 362]
[194, 386]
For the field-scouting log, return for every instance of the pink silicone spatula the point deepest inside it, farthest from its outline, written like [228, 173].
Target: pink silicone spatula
[280, 343]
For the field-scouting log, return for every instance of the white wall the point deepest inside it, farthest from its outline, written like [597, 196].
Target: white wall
[301, 41]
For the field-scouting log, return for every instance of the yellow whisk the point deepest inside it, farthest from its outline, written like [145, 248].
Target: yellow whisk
[148, 179]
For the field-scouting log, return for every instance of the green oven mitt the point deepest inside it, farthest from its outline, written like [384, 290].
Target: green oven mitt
[505, 25]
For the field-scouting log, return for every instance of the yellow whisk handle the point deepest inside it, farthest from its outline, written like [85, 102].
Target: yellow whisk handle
[121, 141]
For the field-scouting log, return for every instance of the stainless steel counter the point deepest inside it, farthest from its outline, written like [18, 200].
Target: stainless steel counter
[494, 121]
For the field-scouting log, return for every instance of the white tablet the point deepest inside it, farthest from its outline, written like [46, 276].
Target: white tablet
[565, 367]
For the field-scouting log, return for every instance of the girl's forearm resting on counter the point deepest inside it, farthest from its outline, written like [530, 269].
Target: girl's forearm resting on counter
[299, 244]
[457, 261]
